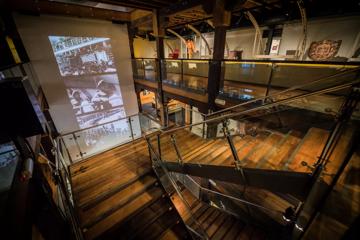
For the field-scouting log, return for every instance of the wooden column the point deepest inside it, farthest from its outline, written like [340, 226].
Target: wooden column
[222, 19]
[159, 32]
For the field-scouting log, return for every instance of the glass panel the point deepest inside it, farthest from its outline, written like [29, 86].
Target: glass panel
[103, 137]
[136, 126]
[64, 153]
[286, 74]
[138, 69]
[195, 74]
[72, 147]
[245, 80]
[148, 125]
[199, 130]
[150, 69]
[306, 78]
[172, 72]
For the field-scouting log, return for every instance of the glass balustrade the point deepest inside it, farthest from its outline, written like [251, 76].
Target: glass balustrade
[150, 73]
[173, 73]
[245, 80]
[190, 75]
[88, 142]
[138, 69]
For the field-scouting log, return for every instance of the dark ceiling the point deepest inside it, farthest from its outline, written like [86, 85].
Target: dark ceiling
[177, 13]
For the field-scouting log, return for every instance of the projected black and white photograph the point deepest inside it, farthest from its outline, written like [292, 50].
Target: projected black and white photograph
[95, 99]
[87, 67]
[82, 55]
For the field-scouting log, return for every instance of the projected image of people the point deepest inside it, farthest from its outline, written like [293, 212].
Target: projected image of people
[87, 67]
[82, 55]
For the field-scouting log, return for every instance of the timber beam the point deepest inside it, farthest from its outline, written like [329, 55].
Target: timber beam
[294, 183]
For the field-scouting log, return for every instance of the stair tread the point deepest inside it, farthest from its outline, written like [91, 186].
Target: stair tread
[119, 215]
[135, 160]
[120, 179]
[93, 161]
[280, 152]
[308, 151]
[232, 234]
[258, 152]
[117, 200]
[216, 225]
[225, 227]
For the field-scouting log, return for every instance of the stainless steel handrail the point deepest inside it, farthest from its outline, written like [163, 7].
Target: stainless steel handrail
[175, 186]
[99, 125]
[230, 197]
[285, 91]
[267, 105]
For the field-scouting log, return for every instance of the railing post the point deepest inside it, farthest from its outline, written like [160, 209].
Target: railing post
[175, 187]
[66, 149]
[78, 146]
[269, 82]
[143, 65]
[173, 141]
[131, 129]
[159, 146]
[182, 74]
[203, 127]
[233, 149]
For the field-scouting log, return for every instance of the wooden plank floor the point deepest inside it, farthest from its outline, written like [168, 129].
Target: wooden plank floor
[216, 224]
[113, 187]
[117, 190]
[267, 150]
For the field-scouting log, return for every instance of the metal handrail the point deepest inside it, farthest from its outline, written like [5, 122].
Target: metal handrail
[174, 185]
[269, 61]
[99, 125]
[231, 197]
[285, 91]
[267, 105]
[353, 68]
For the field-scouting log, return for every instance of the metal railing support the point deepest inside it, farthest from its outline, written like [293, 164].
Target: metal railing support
[173, 141]
[176, 187]
[238, 164]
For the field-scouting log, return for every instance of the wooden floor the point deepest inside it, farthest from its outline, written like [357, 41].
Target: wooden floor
[118, 197]
[267, 149]
[216, 224]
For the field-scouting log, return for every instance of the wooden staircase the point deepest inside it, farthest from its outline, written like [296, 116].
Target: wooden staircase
[291, 151]
[217, 224]
[267, 150]
[118, 196]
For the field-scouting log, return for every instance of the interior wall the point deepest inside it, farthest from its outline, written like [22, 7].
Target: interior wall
[346, 29]
[144, 48]
[34, 32]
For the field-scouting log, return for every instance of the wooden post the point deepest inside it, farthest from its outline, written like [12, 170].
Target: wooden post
[222, 19]
[159, 32]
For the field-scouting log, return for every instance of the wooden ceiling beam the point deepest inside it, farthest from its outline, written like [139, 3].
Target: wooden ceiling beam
[58, 8]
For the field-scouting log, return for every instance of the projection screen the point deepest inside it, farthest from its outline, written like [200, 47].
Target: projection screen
[83, 66]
